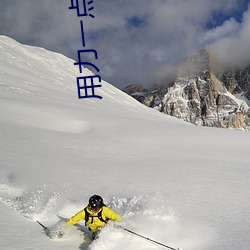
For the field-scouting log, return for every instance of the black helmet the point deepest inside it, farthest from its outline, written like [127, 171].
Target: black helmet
[95, 202]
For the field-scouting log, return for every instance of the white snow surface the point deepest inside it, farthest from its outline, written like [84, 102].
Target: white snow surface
[182, 185]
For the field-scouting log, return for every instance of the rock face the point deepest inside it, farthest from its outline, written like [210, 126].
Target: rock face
[237, 81]
[137, 91]
[201, 97]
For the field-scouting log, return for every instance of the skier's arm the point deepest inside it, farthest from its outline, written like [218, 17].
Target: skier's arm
[77, 217]
[110, 214]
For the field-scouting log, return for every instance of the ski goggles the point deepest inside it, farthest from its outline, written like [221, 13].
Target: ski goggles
[94, 208]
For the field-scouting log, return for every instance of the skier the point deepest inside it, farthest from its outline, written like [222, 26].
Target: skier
[95, 214]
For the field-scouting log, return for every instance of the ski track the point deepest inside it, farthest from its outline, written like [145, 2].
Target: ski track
[144, 214]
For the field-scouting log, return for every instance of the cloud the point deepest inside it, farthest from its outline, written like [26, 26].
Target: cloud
[228, 28]
[137, 41]
[233, 49]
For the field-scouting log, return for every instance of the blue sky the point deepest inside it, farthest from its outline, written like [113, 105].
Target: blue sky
[137, 41]
[218, 17]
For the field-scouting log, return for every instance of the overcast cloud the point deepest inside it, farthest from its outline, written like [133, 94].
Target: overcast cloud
[137, 41]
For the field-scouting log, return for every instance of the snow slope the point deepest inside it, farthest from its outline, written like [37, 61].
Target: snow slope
[176, 183]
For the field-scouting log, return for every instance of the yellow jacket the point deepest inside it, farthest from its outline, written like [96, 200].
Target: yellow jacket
[94, 223]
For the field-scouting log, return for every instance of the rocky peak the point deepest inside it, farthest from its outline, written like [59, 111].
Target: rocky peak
[196, 64]
[201, 97]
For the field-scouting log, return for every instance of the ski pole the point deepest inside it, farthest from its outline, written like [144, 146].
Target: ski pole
[45, 228]
[146, 238]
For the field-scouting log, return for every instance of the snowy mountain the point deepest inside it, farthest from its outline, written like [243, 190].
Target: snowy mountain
[201, 95]
[182, 185]
[237, 81]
